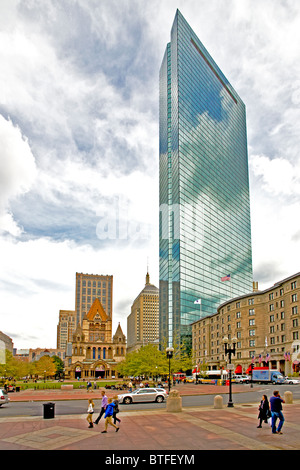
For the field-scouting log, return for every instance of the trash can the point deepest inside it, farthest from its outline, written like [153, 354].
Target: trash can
[17, 389]
[49, 410]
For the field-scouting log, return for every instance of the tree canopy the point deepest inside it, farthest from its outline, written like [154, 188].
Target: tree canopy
[149, 361]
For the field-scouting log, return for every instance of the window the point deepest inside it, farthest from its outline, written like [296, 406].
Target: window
[251, 332]
[294, 298]
[251, 311]
[294, 285]
[252, 322]
[272, 318]
[294, 310]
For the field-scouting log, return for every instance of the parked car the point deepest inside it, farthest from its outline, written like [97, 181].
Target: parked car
[3, 397]
[291, 381]
[142, 395]
[241, 379]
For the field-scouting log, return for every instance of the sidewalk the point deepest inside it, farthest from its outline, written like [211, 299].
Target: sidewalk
[193, 429]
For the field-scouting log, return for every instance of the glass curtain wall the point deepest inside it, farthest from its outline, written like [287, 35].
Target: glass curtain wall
[205, 228]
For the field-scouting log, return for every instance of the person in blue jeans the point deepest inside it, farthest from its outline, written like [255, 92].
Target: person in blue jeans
[276, 410]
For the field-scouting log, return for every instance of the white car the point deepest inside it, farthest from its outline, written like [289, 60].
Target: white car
[142, 395]
[3, 397]
[241, 379]
[291, 381]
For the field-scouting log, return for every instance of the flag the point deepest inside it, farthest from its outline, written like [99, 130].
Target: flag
[260, 359]
[197, 301]
[267, 357]
[225, 278]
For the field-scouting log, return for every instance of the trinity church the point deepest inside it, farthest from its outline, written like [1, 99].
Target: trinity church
[95, 352]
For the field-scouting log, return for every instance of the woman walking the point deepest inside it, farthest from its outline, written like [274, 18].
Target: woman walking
[90, 413]
[264, 411]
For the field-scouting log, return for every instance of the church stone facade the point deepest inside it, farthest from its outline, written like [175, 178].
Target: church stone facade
[95, 352]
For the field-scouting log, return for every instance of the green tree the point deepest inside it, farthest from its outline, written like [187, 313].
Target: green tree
[13, 367]
[59, 365]
[45, 367]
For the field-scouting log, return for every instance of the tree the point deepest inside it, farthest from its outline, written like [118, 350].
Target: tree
[45, 367]
[59, 365]
[147, 361]
[13, 367]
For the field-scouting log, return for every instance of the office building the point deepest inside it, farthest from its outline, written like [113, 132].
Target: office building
[90, 287]
[65, 328]
[143, 321]
[205, 230]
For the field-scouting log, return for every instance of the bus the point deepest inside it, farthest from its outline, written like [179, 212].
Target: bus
[210, 376]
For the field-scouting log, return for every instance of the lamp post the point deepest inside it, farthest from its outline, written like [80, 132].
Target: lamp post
[228, 351]
[169, 352]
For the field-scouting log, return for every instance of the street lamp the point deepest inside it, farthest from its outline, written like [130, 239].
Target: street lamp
[228, 351]
[169, 352]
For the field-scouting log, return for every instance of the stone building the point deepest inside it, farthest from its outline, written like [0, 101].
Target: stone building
[95, 352]
[143, 321]
[266, 325]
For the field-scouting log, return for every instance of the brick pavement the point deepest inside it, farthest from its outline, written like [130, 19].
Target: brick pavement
[157, 432]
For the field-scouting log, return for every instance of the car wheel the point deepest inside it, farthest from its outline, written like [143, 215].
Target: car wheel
[127, 400]
[159, 399]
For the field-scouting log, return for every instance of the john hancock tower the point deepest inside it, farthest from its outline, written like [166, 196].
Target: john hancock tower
[205, 227]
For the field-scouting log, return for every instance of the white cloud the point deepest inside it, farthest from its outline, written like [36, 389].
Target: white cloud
[17, 171]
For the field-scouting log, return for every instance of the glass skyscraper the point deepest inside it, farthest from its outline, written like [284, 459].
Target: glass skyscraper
[205, 229]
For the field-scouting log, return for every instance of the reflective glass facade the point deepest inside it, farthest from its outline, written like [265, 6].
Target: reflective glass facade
[205, 229]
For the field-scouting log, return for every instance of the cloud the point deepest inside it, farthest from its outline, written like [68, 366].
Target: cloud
[17, 171]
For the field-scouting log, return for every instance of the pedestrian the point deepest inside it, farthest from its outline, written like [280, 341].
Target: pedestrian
[116, 409]
[130, 386]
[88, 386]
[276, 411]
[264, 411]
[108, 416]
[90, 411]
[103, 407]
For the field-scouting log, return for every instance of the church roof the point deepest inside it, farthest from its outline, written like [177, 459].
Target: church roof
[95, 309]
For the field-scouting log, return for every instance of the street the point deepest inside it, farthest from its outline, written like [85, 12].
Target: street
[74, 407]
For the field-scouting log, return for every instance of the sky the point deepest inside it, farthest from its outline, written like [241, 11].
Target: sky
[79, 144]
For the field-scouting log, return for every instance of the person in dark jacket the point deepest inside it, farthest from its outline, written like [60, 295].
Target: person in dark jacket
[264, 411]
[276, 410]
[116, 410]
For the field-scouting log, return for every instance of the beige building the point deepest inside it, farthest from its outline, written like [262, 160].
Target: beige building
[37, 353]
[65, 328]
[143, 321]
[266, 325]
[88, 288]
[95, 353]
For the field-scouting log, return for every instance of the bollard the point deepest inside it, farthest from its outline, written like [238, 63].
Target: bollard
[174, 402]
[218, 402]
[288, 397]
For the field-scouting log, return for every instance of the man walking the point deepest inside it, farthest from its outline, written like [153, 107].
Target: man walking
[276, 410]
[103, 407]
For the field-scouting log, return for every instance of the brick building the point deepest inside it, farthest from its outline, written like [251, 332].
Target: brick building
[266, 325]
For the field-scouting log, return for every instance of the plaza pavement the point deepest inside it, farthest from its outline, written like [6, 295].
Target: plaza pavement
[155, 432]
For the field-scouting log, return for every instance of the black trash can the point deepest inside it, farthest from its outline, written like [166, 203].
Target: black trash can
[49, 410]
[17, 389]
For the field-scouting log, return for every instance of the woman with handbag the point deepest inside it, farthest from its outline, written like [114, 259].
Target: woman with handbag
[264, 411]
